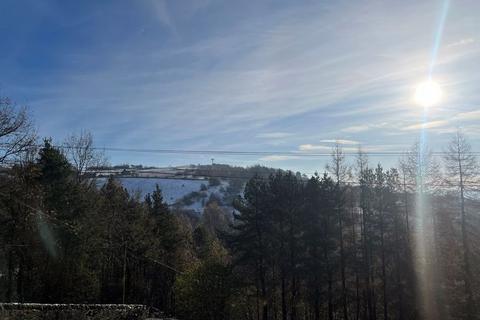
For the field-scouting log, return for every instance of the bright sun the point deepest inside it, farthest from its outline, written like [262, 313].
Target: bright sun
[428, 93]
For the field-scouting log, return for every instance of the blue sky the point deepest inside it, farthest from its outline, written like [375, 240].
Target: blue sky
[241, 75]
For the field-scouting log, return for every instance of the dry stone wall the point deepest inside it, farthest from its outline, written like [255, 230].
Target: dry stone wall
[38, 311]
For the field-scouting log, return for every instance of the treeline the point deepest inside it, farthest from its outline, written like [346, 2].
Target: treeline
[362, 242]
[356, 242]
[322, 249]
[225, 171]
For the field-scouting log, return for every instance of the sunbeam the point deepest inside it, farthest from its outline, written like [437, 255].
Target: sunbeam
[438, 37]
[427, 94]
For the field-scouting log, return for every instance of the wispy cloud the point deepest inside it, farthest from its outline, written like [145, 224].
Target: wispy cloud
[273, 158]
[160, 9]
[449, 125]
[341, 141]
[468, 116]
[304, 148]
[312, 147]
[274, 135]
[355, 129]
[252, 76]
[260, 86]
[427, 125]
[462, 42]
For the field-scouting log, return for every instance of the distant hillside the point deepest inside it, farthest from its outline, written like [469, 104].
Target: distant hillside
[186, 188]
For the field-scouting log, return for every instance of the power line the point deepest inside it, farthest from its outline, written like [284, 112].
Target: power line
[258, 153]
[248, 152]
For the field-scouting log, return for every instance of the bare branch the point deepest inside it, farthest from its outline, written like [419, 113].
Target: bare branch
[82, 154]
[17, 135]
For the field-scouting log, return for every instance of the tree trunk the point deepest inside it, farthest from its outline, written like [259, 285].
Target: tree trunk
[342, 268]
[466, 249]
[384, 274]
[10, 276]
[284, 298]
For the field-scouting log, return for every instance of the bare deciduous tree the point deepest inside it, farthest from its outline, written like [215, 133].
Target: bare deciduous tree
[422, 177]
[341, 172]
[82, 154]
[420, 170]
[17, 135]
[338, 166]
[463, 173]
[361, 163]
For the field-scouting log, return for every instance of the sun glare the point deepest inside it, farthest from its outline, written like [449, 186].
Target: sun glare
[428, 93]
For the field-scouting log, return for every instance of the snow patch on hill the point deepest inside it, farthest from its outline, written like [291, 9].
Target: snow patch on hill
[172, 189]
[184, 194]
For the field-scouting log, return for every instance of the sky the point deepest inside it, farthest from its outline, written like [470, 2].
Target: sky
[290, 76]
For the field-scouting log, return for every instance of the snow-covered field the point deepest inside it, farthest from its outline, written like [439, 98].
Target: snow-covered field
[182, 193]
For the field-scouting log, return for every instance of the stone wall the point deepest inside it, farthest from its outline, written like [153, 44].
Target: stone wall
[40, 311]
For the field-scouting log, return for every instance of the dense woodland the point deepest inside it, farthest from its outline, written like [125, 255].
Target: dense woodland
[355, 241]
